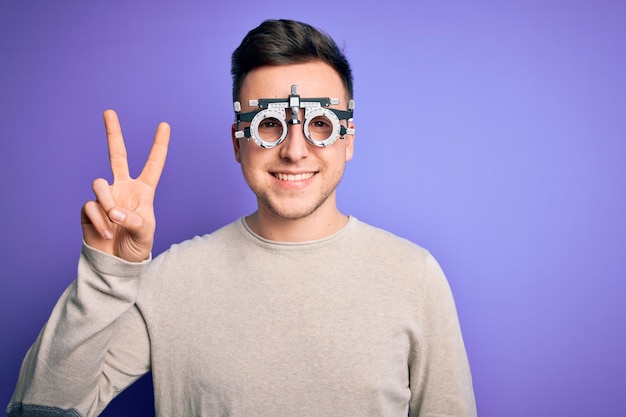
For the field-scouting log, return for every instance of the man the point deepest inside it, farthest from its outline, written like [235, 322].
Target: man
[296, 309]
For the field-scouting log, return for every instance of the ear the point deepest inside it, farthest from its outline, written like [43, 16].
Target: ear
[236, 144]
[349, 143]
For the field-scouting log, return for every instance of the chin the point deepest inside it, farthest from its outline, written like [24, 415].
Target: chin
[292, 213]
[291, 210]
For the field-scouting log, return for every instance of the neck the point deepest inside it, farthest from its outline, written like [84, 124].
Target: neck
[317, 225]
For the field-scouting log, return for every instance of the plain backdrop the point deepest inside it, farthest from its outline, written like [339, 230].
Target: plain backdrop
[493, 133]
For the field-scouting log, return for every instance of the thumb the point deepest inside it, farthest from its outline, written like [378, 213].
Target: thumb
[132, 222]
[134, 237]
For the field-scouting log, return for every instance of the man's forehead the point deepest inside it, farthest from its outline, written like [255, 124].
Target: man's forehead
[314, 79]
[284, 92]
[293, 101]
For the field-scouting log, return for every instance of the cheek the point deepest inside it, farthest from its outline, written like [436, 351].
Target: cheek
[246, 162]
[252, 159]
[338, 163]
[250, 174]
[343, 154]
[247, 152]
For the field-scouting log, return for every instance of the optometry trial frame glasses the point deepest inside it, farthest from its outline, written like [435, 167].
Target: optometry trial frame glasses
[269, 125]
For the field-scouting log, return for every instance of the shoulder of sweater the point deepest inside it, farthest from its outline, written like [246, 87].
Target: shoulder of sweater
[226, 232]
[370, 233]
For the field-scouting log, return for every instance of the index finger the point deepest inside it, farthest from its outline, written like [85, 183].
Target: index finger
[117, 150]
[151, 172]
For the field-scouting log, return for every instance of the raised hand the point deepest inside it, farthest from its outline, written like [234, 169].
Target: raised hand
[121, 220]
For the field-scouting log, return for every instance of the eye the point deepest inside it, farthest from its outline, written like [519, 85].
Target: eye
[270, 129]
[320, 126]
[320, 123]
[270, 124]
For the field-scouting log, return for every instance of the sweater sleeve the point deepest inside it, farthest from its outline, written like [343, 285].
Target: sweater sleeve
[94, 344]
[440, 378]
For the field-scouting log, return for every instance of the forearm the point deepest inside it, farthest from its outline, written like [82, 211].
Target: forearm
[76, 360]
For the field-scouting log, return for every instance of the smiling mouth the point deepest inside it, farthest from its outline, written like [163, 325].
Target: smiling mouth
[293, 177]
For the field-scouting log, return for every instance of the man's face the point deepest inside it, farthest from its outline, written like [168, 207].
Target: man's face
[296, 178]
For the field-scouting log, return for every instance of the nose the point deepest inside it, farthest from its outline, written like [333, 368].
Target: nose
[295, 146]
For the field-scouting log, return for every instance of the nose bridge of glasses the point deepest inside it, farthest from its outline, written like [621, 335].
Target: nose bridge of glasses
[294, 125]
[296, 118]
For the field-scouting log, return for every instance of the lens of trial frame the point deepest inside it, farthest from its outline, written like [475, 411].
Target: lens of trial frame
[320, 128]
[270, 129]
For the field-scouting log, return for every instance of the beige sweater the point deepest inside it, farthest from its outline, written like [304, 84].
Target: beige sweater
[361, 323]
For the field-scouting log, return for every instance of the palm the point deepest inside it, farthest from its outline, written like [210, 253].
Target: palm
[130, 239]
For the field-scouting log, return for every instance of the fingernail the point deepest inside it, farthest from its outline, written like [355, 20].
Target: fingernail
[107, 234]
[117, 216]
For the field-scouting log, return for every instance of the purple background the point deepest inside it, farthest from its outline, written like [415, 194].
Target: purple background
[493, 133]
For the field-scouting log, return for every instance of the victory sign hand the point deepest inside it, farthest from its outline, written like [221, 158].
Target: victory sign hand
[121, 221]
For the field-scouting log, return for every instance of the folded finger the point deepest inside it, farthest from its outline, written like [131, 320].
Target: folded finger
[93, 215]
[102, 191]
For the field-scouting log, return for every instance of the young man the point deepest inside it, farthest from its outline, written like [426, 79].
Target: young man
[296, 309]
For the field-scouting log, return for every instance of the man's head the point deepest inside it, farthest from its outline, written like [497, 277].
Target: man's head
[281, 42]
[291, 80]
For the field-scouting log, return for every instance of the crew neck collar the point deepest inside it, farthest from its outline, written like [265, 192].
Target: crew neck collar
[250, 234]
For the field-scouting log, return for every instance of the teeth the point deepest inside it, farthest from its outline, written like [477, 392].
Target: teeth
[292, 177]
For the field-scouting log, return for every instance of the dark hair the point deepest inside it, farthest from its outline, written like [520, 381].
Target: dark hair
[281, 42]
